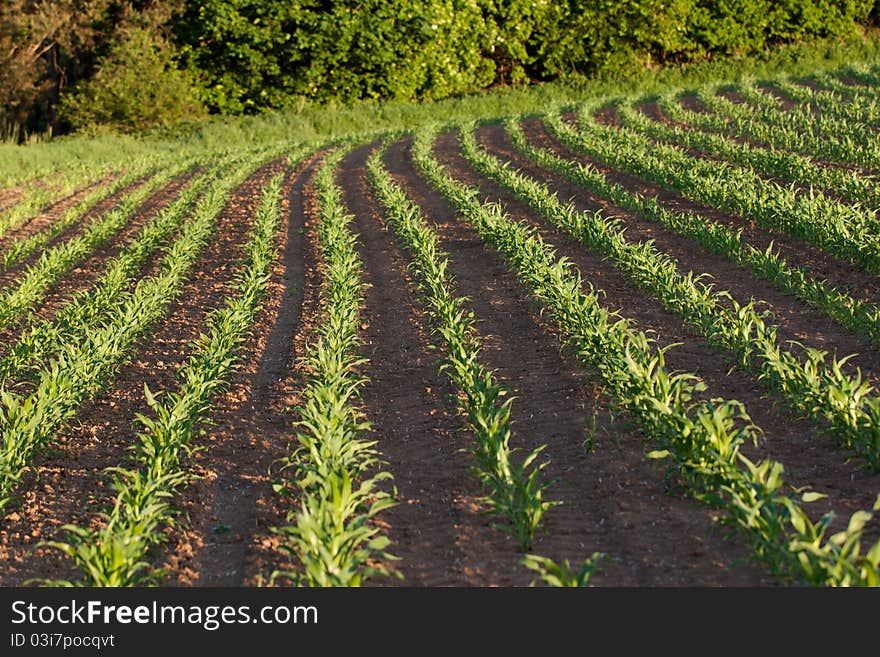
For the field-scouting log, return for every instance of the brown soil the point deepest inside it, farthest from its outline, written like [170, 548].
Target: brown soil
[68, 483]
[693, 104]
[615, 500]
[299, 311]
[55, 210]
[796, 252]
[439, 529]
[9, 197]
[85, 272]
[809, 458]
[251, 428]
[733, 96]
[786, 102]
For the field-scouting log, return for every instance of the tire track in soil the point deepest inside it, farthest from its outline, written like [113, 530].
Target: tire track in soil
[438, 528]
[797, 253]
[615, 500]
[796, 320]
[809, 458]
[85, 272]
[232, 508]
[68, 483]
[292, 337]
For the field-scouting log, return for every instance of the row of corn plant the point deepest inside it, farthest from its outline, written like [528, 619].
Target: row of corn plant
[821, 125]
[37, 198]
[848, 232]
[740, 121]
[854, 108]
[116, 553]
[333, 477]
[863, 77]
[860, 93]
[781, 164]
[21, 248]
[515, 485]
[700, 439]
[30, 420]
[813, 384]
[38, 278]
[111, 290]
[855, 314]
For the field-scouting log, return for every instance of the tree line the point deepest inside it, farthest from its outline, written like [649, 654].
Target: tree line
[74, 64]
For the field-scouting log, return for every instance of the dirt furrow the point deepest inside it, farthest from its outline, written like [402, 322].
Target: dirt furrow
[231, 510]
[68, 482]
[51, 213]
[796, 320]
[808, 456]
[797, 253]
[438, 529]
[54, 213]
[615, 500]
[85, 272]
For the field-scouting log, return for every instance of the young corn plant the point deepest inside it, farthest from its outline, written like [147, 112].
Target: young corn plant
[563, 575]
[117, 553]
[331, 530]
[812, 383]
[29, 421]
[700, 439]
[45, 339]
[852, 313]
[792, 167]
[843, 230]
[37, 197]
[515, 486]
[38, 278]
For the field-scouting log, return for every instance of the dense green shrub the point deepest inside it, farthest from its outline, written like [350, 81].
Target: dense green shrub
[137, 86]
[260, 54]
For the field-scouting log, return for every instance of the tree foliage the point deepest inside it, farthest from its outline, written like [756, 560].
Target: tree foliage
[247, 56]
[137, 86]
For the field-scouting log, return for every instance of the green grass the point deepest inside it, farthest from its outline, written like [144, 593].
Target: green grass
[312, 122]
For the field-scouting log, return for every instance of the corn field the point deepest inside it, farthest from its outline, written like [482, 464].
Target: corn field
[633, 341]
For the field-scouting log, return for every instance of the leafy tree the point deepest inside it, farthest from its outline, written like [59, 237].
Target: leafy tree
[137, 86]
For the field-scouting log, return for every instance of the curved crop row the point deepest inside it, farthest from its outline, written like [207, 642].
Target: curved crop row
[115, 554]
[775, 162]
[855, 314]
[737, 121]
[331, 532]
[29, 421]
[701, 439]
[515, 486]
[841, 229]
[37, 197]
[813, 383]
[112, 289]
[45, 272]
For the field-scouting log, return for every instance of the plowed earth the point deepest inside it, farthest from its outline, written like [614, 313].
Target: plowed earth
[614, 499]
